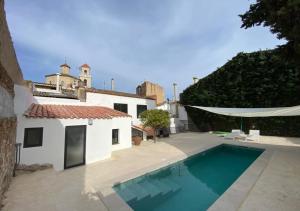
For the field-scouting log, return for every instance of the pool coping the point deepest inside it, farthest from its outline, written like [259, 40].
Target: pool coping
[231, 198]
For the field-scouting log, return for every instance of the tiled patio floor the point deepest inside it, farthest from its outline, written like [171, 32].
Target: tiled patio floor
[277, 187]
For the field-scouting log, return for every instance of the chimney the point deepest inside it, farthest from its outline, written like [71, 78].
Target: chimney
[174, 92]
[175, 100]
[57, 81]
[195, 79]
[112, 84]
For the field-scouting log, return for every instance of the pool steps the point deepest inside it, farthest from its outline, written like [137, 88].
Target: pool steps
[140, 192]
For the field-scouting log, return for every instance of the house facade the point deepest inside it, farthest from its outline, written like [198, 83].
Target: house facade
[71, 135]
[66, 123]
[48, 123]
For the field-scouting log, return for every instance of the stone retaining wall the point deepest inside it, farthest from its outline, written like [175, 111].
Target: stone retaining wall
[10, 75]
[7, 151]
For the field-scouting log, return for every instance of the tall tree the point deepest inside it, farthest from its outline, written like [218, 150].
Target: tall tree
[283, 18]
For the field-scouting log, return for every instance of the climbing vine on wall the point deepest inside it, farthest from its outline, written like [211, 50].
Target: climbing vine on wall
[259, 79]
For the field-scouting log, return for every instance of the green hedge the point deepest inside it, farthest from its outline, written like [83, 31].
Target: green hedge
[249, 80]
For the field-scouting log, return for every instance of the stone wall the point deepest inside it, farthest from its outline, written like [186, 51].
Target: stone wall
[7, 130]
[7, 52]
[7, 152]
[10, 75]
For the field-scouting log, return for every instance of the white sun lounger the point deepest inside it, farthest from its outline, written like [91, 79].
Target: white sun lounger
[236, 134]
[253, 135]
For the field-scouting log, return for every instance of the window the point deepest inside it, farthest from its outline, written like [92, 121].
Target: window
[115, 136]
[121, 107]
[33, 137]
[84, 82]
[140, 109]
[85, 72]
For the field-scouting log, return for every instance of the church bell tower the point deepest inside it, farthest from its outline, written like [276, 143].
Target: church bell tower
[85, 75]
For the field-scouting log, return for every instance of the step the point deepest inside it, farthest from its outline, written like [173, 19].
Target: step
[161, 186]
[126, 194]
[138, 190]
[171, 184]
[152, 189]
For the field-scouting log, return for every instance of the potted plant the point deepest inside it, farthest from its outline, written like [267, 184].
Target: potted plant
[136, 140]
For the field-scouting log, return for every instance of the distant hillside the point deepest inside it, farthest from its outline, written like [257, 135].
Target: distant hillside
[258, 79]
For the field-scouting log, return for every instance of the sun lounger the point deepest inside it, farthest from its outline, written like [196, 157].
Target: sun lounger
[235, 134]
[253, 135]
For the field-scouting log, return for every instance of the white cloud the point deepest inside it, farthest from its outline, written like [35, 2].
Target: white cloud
[165, 42]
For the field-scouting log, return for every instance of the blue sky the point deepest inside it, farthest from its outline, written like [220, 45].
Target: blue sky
[131, 41]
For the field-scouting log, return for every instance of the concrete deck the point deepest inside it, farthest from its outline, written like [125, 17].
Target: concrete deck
[272, 182]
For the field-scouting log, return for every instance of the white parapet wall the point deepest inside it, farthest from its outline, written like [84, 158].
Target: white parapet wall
[55, 100]
[23, 99]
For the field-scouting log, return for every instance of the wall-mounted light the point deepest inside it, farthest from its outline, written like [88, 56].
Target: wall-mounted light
[90, 121]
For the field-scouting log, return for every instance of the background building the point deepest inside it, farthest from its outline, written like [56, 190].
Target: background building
[85, 75]
[149, 89]
[65, 80]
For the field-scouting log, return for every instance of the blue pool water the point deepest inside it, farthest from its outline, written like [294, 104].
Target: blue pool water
[192, 184]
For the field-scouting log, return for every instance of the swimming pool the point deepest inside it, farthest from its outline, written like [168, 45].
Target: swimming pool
[191, 184]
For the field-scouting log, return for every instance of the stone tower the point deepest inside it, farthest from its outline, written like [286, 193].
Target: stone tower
[85, 75]
[65, 69]
[149, 89]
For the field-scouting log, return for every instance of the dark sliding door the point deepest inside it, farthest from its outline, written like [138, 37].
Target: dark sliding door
[75, 146]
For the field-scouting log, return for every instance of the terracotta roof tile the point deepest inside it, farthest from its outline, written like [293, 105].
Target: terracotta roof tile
[149, 130]
[72, 112]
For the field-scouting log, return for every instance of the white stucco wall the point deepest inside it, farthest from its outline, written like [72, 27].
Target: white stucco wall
[23, 99]
[55, 100]
[182, 113]
[124, 126]
[98, 139]
[177, 124]
[109, 100]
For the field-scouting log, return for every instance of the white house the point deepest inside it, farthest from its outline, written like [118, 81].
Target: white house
[131, 104]
[71, 135]
[68, 132]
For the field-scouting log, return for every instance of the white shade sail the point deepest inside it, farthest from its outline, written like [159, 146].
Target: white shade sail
[253, 112]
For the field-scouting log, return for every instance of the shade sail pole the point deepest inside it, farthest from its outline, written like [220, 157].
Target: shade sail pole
[241, 123]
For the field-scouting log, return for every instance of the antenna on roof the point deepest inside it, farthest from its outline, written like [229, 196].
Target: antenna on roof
[65, 60]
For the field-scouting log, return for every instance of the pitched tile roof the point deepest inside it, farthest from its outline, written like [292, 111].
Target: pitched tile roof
[72, 112]
[149, 130]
